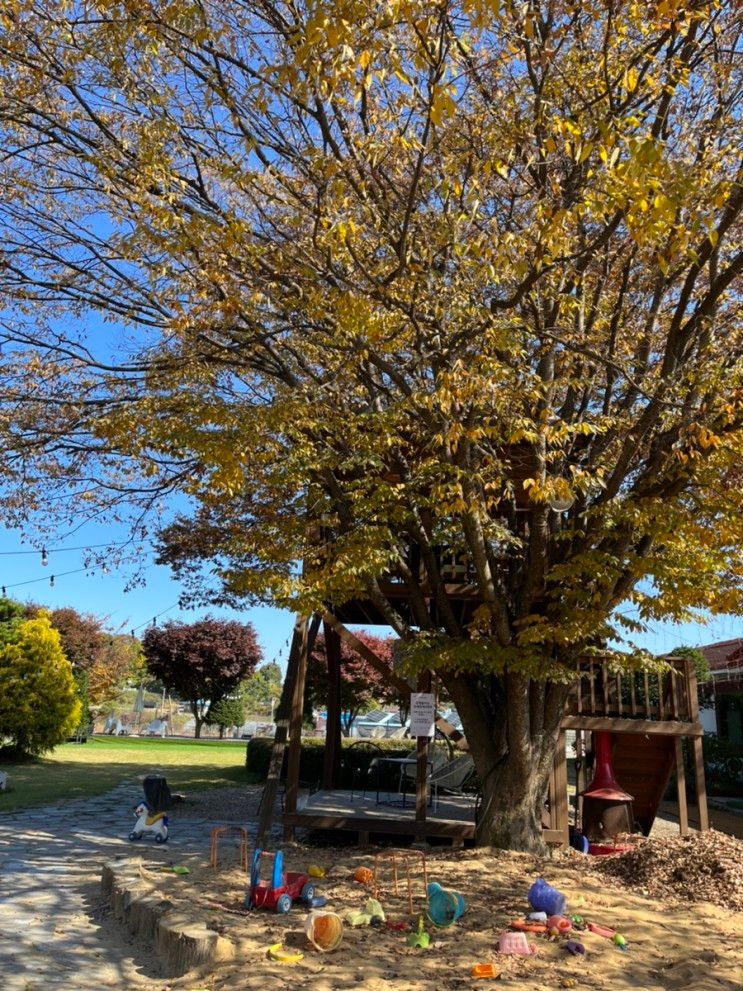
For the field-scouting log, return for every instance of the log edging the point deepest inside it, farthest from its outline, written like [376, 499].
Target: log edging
[182, 942]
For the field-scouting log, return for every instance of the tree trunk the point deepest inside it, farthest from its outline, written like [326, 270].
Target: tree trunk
[511, 725]
[198, 722]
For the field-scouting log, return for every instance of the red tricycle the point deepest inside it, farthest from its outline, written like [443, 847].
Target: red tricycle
[282, 890]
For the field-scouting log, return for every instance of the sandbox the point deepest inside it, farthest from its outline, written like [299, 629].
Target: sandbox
[199, 927]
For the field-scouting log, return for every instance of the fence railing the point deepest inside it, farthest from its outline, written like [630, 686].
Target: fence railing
[599, 690]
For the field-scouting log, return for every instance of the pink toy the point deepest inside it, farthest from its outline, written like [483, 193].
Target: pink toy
[516, 944]
[559, 924]
[601, 930]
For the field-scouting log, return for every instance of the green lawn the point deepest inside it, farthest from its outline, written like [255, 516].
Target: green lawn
[78, 770]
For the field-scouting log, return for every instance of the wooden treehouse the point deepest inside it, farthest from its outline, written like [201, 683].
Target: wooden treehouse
[647, 715]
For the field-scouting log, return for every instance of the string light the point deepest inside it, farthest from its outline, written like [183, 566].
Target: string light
[35, 581]
[51, 582]
[560, 503]
[61, 550]
[44, 557]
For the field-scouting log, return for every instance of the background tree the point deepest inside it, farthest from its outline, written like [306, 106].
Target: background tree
[262, 690]
[116, 665]
[102, 662]
[225, 713]
[12, 614]
[362, 687]
[203, 661]
[703, 674]
[406, 281]
[39, 707]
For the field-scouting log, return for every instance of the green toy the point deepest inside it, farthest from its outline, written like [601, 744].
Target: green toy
[419, 939]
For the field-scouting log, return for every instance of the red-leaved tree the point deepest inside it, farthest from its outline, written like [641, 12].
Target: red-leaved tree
[362, 687]
[202, 662]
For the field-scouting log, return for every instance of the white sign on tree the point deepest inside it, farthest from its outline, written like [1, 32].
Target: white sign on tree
[422, 714]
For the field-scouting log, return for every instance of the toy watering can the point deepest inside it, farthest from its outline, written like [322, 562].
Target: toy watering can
[444, 907]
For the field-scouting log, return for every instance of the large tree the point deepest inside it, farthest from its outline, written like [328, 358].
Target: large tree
[204, 662]
[390, 278]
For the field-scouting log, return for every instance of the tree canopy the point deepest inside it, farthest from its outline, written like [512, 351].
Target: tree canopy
[103, 660]
[203, 661]
[392, 286]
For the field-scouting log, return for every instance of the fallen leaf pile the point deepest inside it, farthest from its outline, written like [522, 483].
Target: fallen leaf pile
[700, 867]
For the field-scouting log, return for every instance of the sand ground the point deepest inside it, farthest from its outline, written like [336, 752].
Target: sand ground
[673, 946]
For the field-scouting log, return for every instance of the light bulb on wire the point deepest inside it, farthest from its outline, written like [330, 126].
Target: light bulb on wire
[44, 557]
[560, 504]
[51, 581]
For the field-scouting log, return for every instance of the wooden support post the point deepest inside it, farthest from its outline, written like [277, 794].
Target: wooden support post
[561, 788]
[696, 744]
[421, 766]
[581, 778]
[295, 730]
[552, 796]
[332, 755]
[276, 763]
[691, 680]
[681, 787]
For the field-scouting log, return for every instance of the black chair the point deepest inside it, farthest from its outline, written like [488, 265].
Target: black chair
[359, 762]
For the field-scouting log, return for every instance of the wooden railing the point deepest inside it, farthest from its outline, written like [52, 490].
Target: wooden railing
[664, 697]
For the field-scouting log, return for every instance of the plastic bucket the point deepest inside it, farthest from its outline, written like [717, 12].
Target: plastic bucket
[444, 907]
[324, 930]
[516, 944]
[544, 898]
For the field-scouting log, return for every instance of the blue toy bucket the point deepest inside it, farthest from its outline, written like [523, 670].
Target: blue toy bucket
[444, 907]
[544, 898]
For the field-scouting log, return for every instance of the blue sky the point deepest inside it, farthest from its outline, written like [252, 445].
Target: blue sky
[106, 596]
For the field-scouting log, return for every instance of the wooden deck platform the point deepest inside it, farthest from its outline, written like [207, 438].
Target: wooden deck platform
[453, 816]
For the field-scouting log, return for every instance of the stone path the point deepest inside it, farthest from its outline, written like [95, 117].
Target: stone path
[54, 932]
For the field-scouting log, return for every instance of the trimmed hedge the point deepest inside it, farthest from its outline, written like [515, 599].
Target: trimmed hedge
[355, 761]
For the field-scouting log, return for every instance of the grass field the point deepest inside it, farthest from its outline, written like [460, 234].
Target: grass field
[79, 770]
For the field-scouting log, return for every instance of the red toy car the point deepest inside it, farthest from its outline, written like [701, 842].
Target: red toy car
[282, 890]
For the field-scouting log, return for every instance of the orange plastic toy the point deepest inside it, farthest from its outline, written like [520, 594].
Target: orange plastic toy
[363, 875]
[520, 925]
[485, 970]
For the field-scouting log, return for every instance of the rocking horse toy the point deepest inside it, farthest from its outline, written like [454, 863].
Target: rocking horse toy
[148, 823]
